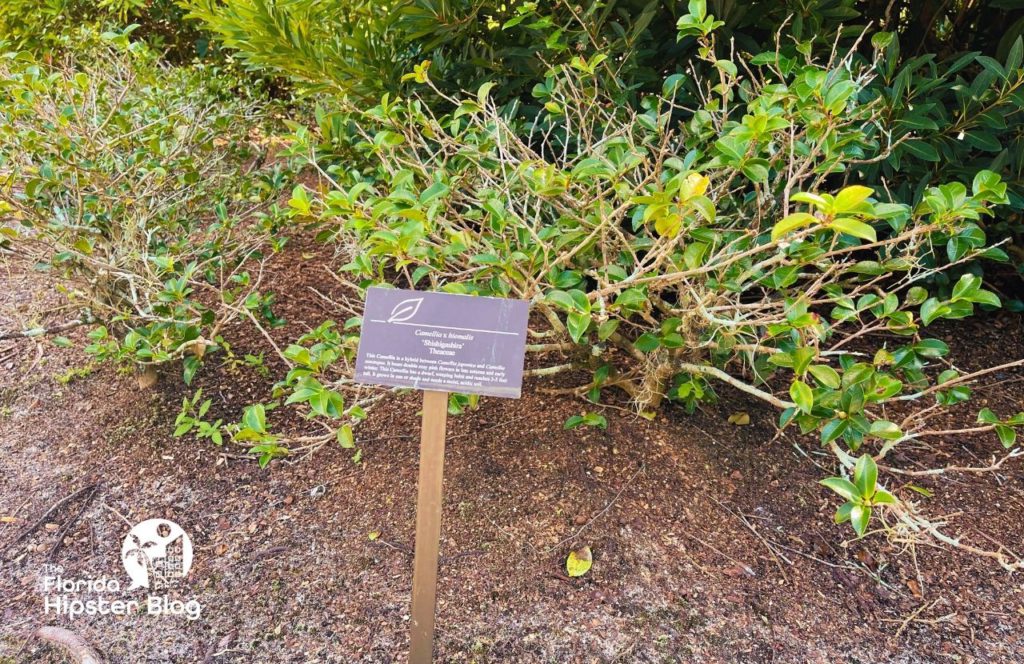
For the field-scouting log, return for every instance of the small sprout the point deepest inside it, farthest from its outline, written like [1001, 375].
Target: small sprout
[861, 495]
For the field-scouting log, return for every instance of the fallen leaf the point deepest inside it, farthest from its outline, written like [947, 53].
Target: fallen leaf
[51, 526]
[921, 490]
[739, 419]
[579, 561]
[8, 519]
[220, 549]
[374, 535]
[915, 588]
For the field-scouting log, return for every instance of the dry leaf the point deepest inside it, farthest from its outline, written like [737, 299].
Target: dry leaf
[739, 419]
[51, 526]
[915, 588]
[8, 519]
[579, 561]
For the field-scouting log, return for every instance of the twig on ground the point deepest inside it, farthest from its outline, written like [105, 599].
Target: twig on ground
[995, 465]
[41, 331]
[913, 617]
[41, 520]
[747, 569]
[776, 556]
[597, 516]
[70, 523]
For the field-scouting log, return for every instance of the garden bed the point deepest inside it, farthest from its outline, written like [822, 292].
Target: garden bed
[711, 541]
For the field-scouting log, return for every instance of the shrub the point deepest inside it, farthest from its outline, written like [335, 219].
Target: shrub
[364, 49]
[124, 178]
[670, 250]
[47, 26]
[943, 113]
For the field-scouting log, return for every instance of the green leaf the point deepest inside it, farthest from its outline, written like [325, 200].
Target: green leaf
[578, 324]
[189, 367]
[883, 497]
[791, 222]
[345, 437]
[986, 416]
[573, 422]
[1007, 435]
[483, 91]
[849, 198]
[607, 329]
[860, 515]
[755, 171]
[843, 513]
[885, 430]
[560, 298]
[932, 309]
[802, 395]
[833, 429]
[646, 342]
[255, 418]
[825, 375]
[807, 197]
[853, 227]
[865, 475]
[921, 150]
[842, 486]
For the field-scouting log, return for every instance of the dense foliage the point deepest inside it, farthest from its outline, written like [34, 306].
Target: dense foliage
[49, 26]
[121, 175]
[948, 112]
[668, 257]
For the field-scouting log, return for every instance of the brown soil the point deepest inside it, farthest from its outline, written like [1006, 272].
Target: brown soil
[711, 542]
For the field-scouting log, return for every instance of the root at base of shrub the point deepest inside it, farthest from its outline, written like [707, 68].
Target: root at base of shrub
[79, 649]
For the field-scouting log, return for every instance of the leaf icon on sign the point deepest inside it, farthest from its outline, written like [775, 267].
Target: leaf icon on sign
[405, 310]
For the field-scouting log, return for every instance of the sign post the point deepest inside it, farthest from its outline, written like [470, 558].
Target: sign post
[439, 343]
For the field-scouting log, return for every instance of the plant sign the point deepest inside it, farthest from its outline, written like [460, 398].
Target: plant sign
[445, 342]
[439, 343]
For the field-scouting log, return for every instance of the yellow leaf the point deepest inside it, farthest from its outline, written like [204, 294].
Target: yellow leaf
[579, 561]
[694, 185]
[669, 224]
[374, 535]
[739, 419]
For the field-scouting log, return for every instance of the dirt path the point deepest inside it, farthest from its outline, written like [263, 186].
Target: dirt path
[711, 542]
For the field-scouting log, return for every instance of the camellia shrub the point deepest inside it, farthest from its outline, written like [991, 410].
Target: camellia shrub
[672, 250]
[124, 178]
[947, 79]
